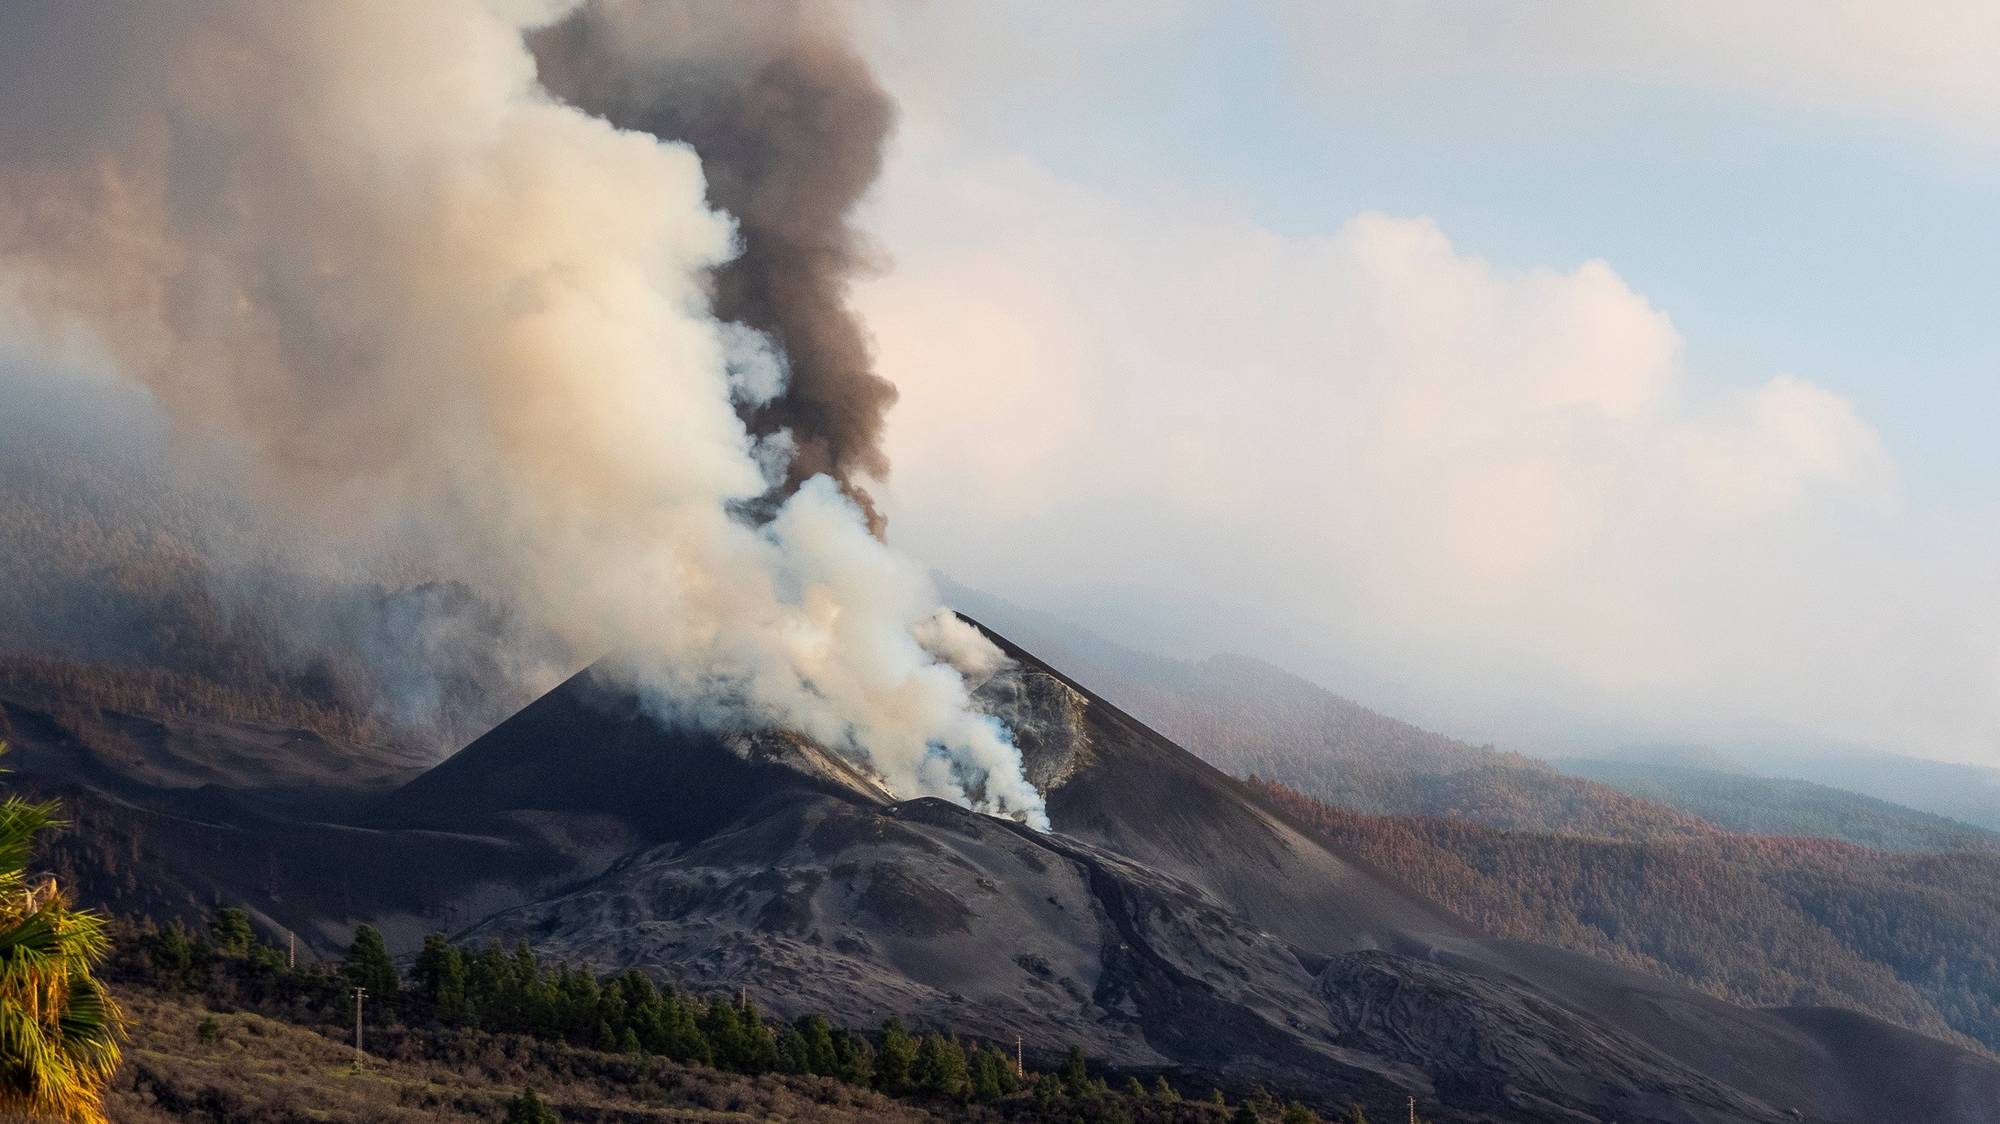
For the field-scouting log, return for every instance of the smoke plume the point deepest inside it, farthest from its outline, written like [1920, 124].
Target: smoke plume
[790, 125]
[426, 300]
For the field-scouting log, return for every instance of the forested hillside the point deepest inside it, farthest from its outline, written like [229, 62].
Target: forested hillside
[1738, 801]
[1762, 920]
[226, 1028]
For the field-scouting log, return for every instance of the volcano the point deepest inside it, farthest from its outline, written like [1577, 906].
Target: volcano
[1172, 920]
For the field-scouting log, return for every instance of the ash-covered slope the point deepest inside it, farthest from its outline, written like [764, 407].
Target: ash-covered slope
[1170, 919]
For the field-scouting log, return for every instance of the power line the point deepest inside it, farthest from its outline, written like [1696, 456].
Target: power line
[359, 995]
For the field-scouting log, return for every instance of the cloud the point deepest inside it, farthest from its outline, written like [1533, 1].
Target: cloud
[1925, 60]
[1495, 491]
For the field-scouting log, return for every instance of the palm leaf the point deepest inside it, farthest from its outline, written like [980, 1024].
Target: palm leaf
[59, 1029]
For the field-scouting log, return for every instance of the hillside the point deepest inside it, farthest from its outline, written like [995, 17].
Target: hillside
[1968, 793]
[253, 1069]
[1767, 921]
[108, 560]
[1171, 921]
[1246, 717]
[1742, 802]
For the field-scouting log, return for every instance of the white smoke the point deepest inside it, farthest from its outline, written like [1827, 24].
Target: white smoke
[361, 241]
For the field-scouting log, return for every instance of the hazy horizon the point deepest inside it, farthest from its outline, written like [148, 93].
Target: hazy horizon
[1557, 377]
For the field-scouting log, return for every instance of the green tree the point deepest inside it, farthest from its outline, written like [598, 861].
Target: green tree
[59, 1029]
[854, 1059]
[1297, 1113]
[987, 1068]
[759, 1044]
[171, 954]
[940, 1067]
[1074, 1074]
[367, 964]
[686, 1041]
[821, 1057]
[440, 978]
[530, 1109]
[896, 1061]
[229, 930]
[1164, 1092]
[792, 1055]
[1245, 1115]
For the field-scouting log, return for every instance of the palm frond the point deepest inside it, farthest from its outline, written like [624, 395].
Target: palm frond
[59, 1028]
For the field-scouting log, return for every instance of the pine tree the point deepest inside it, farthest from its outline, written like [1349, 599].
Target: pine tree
[760, 1046]
[440, 978]
[172, 955]
[1297, 1113]
[820, 1055]
[230, 932]
[854, 1059]
[940, 1067]
[368, 965]
[724, 1032]
[1164, 1092]
[686, 1040]
[987, 1067]
[1074, 1074]
[793, 1057]
[898, 1056]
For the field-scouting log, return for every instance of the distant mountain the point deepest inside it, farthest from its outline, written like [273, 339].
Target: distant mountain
[1969, 793]
[1743, 802]
[1249, 718]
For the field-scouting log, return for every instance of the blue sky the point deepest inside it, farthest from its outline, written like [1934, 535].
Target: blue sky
[1858, 249]
[1698, 298]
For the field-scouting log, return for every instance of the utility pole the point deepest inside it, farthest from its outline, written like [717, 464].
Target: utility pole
[1413, 1110]
[1020, 1071]
[359, 993]
[292, 951]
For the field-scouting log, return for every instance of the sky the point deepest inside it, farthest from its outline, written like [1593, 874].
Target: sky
[1553, 374]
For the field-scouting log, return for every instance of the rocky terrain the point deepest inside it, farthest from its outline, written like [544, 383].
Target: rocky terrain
[1173, 918]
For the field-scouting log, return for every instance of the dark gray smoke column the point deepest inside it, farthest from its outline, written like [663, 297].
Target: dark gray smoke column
[790, 126]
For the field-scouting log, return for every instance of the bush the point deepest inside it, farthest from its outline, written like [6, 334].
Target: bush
[530, 1109]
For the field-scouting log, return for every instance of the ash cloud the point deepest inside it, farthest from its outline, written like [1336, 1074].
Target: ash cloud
[428, 302]
[790, 125]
